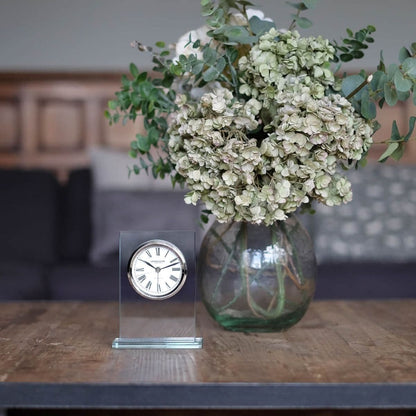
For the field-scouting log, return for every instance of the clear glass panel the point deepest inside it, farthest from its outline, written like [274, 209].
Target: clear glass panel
[163, 322]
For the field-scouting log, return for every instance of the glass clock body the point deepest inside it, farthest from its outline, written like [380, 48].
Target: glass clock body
[157, 270]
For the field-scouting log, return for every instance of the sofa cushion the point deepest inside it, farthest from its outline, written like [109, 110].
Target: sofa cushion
[378, 225]
[115, 211]
[120, 203]
[22, 281]
[82, 281]
[75, 231]
[366, 280]
[28, 216]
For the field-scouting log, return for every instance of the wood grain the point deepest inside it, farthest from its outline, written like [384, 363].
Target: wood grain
[336, 342]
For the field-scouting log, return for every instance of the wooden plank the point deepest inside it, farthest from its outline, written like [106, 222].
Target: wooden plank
[362, 353]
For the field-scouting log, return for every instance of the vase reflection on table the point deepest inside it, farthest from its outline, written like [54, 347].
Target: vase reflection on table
[257, 278]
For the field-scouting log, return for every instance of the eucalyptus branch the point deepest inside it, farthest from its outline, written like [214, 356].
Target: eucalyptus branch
[360, 87]
[293, 24]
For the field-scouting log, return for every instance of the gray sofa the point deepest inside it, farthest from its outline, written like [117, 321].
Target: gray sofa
[61, 241]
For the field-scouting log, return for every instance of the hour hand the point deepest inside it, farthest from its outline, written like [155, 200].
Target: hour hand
[149, 264]
[169, 265]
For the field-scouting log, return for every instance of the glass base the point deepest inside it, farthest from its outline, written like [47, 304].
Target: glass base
[164, 343]
[254, 324]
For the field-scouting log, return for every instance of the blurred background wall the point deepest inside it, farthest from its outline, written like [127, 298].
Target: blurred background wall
[96, 34]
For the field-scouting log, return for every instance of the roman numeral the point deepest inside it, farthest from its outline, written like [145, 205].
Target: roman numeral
[149, 285]
[148, 253]
[176, 269]
[158, 289]
[140, 270]
[157, 251]
[174, 259]
[141, 278]
[174, 278]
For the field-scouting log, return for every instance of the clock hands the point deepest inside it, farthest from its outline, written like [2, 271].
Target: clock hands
[169, 265]
[149, 264]
[158, 269]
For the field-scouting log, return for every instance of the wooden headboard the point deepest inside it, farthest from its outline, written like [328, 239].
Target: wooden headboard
[50, 120]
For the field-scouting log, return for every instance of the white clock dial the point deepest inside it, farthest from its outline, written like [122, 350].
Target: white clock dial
[157, 270]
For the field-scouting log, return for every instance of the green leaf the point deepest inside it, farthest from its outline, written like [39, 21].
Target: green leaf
[310, 4]
[409, 66]
[112, 105]
[346, 57]
[132, 153]
[368, 107]
[403, 54]
[258, 27]
[297, 6]
[391, 148]
[412, 122]
[238, 34]
[134, 70]
[395, 134]
[390, 94]
[357, 54]
[197, 68]
[143, 143]
[210, 74]
[398, 153]
[349, 84]
[209, 55]
[220, 65]
[391, 71]
[153, 136]
[204, 218]
[402, 84]
[303, 22]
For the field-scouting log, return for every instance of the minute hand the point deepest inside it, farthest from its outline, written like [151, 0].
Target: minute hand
[169, 265]
[149, 264]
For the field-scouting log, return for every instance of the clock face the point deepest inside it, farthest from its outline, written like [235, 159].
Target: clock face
[157, 270]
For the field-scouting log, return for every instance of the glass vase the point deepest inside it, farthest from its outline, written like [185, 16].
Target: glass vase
[257, 278]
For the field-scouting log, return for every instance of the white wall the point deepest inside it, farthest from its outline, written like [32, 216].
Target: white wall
[96, 34]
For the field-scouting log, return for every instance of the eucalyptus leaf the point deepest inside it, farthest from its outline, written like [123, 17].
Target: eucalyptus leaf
[398, 153]
[412, 122]
[143, 143]
[395, 134]
[409, 66]
[402, 84]
[368, 107]
[134, 70]
[403, 54]
[391, 71]
[209, 55]
[298, 6]
[390, 94]
[391, 148]
[258, 26]
[310, 4]
[210, 74]
[303, 22]
[350, 83]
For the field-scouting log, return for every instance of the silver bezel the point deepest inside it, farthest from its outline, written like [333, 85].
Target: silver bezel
[171, 247]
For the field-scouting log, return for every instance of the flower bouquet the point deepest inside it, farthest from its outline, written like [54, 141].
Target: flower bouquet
[258, 122]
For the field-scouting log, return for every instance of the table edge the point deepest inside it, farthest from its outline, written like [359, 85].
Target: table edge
[209, 395]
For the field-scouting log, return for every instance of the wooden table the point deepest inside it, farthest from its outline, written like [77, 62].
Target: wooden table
[341, 355]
